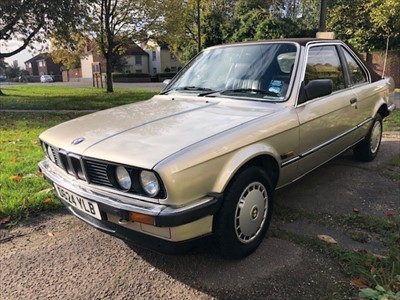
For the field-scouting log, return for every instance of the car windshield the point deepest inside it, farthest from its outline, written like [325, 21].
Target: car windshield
[260, 71]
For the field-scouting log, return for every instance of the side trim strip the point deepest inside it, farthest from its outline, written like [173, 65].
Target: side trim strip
[323, 145]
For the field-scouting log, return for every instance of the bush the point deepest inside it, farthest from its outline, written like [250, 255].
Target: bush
[166, 75]
[131, 77]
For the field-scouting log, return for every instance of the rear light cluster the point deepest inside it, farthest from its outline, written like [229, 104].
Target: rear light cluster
[124, 178]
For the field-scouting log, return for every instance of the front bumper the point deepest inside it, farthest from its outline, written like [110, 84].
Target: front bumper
[171, 225]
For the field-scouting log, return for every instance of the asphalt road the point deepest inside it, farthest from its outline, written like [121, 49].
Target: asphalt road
[87, 83]
[59, 257]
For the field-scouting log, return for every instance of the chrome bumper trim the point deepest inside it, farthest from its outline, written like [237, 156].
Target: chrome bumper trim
[134, 205]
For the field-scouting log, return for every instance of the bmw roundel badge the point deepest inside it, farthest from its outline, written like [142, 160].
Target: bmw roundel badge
[77, 141]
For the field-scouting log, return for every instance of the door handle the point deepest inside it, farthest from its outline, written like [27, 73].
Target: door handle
[353, 100]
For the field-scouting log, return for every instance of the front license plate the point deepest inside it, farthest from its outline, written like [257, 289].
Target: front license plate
[87, 206]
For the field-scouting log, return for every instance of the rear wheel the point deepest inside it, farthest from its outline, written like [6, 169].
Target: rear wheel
[245, 215]
[368, 148]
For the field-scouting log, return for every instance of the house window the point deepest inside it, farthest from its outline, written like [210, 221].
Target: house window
[153, 55]
[139, 71]
[138, 60]
[173, 69]
[28, 65]
[42, 63]
[173, 57]
[154, 71]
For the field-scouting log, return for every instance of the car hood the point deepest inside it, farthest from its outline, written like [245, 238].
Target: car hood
[145, 133]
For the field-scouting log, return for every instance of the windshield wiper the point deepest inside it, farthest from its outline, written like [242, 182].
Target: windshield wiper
[252, 91]
[189, 88]
[192, 88]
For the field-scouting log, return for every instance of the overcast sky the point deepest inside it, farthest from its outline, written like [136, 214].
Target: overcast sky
[22, 56]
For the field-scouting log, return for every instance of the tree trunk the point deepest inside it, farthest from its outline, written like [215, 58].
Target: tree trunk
[109, 75]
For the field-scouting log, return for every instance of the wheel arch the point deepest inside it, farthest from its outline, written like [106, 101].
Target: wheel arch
[383, 111]
[266, 159]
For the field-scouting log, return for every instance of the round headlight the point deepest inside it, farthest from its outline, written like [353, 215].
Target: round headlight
[123, 178]
[149, 183]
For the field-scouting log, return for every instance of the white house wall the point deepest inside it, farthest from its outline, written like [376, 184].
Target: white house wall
[155, 65]
[86, 66]
[132, 67]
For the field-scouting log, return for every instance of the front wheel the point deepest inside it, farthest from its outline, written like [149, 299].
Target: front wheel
[368, 148]
[244, 218]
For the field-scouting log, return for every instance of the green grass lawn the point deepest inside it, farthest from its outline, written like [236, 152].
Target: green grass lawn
[392, 123]
[55, 97]
[23, 191]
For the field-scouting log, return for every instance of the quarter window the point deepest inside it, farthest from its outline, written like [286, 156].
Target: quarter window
[323, 63]
[357, 75]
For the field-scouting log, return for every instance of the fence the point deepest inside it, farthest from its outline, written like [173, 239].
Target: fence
[392, 64]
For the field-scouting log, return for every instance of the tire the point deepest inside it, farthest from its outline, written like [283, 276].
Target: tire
[368, 148]
[243, 220]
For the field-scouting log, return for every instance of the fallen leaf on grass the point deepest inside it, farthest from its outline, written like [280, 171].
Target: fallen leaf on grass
[45, 191]
[50, 234]
[47, 200]
[356, 210]
[16, 178]
[327, 239]
[30, 176]
[5, 220]
[360, 282]
[13, 159]
[379, 257]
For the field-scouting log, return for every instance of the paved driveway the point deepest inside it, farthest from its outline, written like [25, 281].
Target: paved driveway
[58, 256]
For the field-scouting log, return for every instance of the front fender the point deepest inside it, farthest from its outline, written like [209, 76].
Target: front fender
[239, 159]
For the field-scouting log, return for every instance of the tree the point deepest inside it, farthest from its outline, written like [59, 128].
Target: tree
[366, 23]
[33, 20]
[68, 54]
[29, 21]
[114, 25]
[181, 27]
[13, 70]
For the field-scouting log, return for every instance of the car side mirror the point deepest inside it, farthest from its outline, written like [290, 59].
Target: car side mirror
[314, 89]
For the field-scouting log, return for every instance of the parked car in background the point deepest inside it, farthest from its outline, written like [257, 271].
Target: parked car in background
[3, 78]
[204, 157]
[46, 78]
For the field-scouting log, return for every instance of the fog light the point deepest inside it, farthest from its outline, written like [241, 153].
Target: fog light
[123, 178]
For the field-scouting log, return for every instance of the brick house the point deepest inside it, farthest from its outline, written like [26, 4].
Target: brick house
[42, 64]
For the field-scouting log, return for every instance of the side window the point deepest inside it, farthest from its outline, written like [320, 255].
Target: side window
[357, 74]
[323, 63]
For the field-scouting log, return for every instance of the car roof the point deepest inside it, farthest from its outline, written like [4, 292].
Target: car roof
[300, 41]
